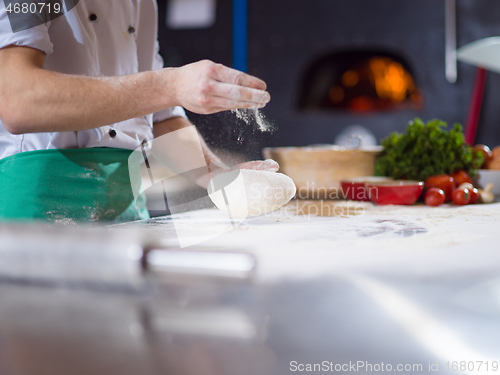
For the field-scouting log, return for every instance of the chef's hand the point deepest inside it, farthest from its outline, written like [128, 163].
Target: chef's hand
[224, 175]
[268, 165]
[205, 87]
[216, 169]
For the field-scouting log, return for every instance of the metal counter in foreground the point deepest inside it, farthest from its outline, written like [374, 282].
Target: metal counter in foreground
[384, 292]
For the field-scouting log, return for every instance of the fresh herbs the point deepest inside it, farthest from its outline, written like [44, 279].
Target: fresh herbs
[426, 150]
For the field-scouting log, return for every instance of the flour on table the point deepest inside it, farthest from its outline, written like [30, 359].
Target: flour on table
[251, 192]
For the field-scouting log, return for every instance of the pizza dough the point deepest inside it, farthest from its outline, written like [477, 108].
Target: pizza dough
[250, 192]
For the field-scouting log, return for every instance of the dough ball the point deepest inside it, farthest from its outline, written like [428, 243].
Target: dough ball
[250, 192]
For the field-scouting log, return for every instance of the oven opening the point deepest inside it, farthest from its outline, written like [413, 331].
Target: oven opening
[359, 82]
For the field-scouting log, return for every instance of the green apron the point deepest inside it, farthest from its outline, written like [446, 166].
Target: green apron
[70, 185]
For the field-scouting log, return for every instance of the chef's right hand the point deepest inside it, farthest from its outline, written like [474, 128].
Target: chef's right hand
[206, 87]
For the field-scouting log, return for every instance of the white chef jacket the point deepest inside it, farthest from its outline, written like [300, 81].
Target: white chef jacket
[95, 38]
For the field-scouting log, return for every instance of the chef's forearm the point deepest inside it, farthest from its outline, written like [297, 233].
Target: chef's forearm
[185, 151]
[177, 123]
[33, 99]
[193, 145]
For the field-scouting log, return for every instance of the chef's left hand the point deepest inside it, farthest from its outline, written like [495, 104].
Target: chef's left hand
[216, 169]
[268, 165]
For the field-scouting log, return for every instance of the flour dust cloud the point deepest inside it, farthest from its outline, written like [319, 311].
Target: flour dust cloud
[254, 116]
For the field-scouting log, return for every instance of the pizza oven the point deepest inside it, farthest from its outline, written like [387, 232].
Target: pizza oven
[357, 82]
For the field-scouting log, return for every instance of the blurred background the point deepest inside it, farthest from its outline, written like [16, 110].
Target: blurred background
[332, 64]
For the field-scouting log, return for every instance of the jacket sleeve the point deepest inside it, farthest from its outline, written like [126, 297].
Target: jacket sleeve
[34, 37]
[148, 51]
[169, 112]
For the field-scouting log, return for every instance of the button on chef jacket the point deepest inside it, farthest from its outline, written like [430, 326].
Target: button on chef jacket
[99, 38]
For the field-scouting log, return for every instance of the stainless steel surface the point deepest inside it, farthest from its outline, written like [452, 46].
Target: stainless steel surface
[87, 307]
[200, 263]
[49, 253]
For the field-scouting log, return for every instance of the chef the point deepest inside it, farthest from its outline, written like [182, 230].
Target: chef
[79, 92]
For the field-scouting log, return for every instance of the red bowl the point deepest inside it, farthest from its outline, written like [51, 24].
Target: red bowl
[355, 188]
[394, 192]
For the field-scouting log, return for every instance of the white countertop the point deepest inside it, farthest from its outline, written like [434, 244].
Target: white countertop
[426, 239]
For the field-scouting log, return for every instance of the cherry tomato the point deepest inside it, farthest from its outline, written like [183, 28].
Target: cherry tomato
[460, 196]
[460, 177]
[485, 151]
[474, 195]
[434, 197]
[441, 181]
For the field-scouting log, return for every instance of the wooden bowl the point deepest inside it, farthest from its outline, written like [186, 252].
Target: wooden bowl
[318, 170]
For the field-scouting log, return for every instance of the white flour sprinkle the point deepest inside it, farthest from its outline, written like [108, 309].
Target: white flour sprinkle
[251, 116]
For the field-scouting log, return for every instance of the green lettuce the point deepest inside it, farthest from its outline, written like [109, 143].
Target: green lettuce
[426, 150]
